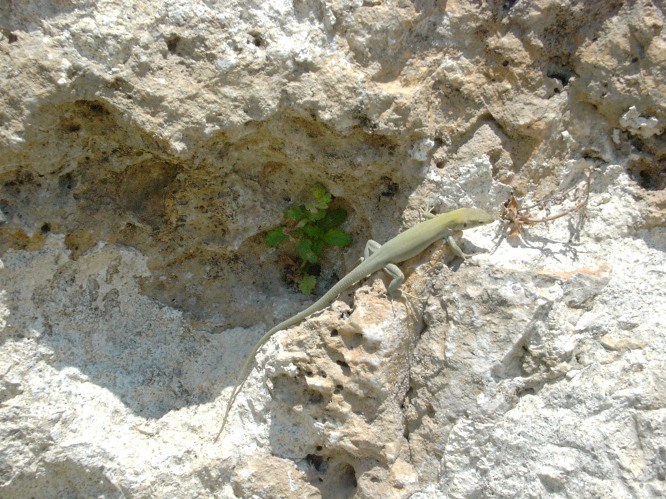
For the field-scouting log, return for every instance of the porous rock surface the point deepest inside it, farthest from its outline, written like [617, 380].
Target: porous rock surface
[147, 147]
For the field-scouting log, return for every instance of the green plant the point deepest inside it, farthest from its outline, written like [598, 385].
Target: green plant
[312, 226]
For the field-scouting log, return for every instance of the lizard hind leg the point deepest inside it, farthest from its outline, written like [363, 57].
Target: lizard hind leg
[426, 212]
[398, 278]
[396, 282]
[370, 248]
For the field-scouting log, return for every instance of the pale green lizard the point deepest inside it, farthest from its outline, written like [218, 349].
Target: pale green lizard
[402, 247]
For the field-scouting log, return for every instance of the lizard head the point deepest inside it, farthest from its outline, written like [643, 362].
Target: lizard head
[467, 218]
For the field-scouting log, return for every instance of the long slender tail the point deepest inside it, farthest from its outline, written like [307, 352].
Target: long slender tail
[242, 377]
[355, 275]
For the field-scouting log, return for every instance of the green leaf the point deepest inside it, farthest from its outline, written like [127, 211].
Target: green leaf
[307, 284]
[321, 196]
[333, 218]
[316, 215]
[337, 237]
[311, 207]
[314, 231]
[275, 237]
[296, 213]
[305, 250]
[318, 246]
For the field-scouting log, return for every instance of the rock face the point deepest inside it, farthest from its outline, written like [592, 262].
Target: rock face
[147, 147]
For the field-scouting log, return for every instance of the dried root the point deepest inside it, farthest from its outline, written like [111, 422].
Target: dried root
[517, 218]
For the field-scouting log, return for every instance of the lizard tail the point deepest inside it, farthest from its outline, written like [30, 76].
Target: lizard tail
[351, 278]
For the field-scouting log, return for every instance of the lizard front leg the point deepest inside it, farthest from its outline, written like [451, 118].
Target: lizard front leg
[455, 248]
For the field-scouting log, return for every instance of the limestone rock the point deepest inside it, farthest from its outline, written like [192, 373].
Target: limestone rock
[147, 147]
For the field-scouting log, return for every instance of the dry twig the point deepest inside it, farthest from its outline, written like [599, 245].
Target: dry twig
[518, 217]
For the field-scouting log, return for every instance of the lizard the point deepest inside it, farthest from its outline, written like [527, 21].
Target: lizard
[376, 257]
